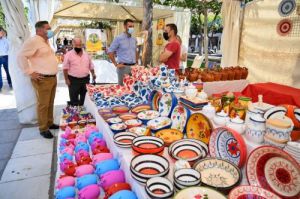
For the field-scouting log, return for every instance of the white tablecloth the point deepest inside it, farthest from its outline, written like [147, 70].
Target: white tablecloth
[223, 86]
[105, 71]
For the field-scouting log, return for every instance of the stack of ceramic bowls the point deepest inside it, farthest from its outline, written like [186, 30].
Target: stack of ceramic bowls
[147, 145]
[144, 167]
[184, 178]
[159, 188]
[293, 148]
[124, 139]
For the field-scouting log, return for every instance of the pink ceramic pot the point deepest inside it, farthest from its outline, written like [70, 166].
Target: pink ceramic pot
[111, 177]
[83, 170]
[89, 192]
[65, 182]
[98, 142]
[101, 157]
[68, 167]
[89, 130]
[80, 138]
[69, 149]
[80, 154]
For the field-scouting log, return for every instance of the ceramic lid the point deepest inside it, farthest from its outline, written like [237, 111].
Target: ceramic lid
[222, 114]
[257, 118]
[237, 120]
[279, 122]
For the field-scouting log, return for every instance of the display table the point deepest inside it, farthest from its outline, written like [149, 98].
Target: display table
[275, 94]
[105, 71]
[223, 86]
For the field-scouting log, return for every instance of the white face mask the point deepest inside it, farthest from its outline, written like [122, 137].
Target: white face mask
[130, 31]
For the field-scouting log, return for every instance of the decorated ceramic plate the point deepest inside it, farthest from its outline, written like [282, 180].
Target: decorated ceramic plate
[278, 111]
[199, 127]
[128, 116]
[159, 123]
[179, 117]
[120, 109]
[119, 127]
[148, 115]
[251, 192]
[140, 130]
[285, 174]
[169, 135]
[199, 193]
[114, 120]
[139, 108]
[154, 99]
[166, 104]
[227, 144]
[218, 173]
[133, 123]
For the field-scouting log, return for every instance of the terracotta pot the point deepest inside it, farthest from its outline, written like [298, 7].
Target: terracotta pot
[217, 76]
[210, 77]
[244, 73]
[193, 77]
[231, 73]
[224, 76]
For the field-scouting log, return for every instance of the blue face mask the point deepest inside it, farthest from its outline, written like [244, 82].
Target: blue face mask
[50, 34]
[130, 30]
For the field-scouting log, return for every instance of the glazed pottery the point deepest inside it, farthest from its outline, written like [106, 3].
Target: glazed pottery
[65, 182]
[251, 112]
[120, 109]
[202, 96]
[144, 167]
[124, 194]
[101, 157]
[114, 120]
[117, 128]
[124, 139]
[193, 104]
[116, 188]
[237, 124]
[191, 91]
[159, 188]
[199, 193]
[247, 192]
[133, 123]
[184, 178]
[243, 101]
[66, 192]
[86, 180]
[188, 149]
[199, 127]
[91, 191]
[209, 111]
[154, 99]
[84, 170]
[166, 104]
[82, 146]
[219, 174]
[179, 117]
[145, 116]
[256, 129]
[139, 108]
[111, 177]
[106, 165]
[221, 118]
[140, 131]
[147, 145]
[159, 123]
[275, 112]
[181, 164]
[227, 144]
[128, 116]
[169, 135]
[280, 176]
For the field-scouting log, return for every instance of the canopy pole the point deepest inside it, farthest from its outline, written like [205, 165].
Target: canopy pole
[205, 39]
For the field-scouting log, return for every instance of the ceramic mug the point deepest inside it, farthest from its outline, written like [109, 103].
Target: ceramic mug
[111, 177]
[84, 170]
[66, 181]
[89, 192]
[66, 192]
[101, 157]
[124, 194]
[255, 131]
[86, 180]
[107, 165]
[81, 146]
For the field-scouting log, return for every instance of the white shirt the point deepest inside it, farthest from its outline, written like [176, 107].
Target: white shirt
[4, 47]
[183, 50]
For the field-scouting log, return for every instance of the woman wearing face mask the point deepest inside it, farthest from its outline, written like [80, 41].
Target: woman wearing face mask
[171, 54]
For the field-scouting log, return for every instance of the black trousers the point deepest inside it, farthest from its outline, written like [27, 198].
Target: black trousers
[77, 89]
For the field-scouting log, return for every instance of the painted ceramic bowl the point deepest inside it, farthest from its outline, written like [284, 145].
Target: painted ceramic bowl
[128, 116]
[117, 128]
[159, 123]
[91, 121]
[154, 99]
[219, 174]
[188, 149]
[114, 120]
[145, 116]
[139, 108]
[133, 123]
[167, 103]
[147, 145]
[103, 111]
[124, 139]
[140, 131]
[227, 144]
[109, 115]
[251, 192]
[278, 130]
[199, 193]
[159, 188]
[120, 109]
[144, 167]
[184, 178]
[169, 136]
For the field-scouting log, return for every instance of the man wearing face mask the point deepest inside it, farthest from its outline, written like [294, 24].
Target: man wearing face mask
[77, 68]
[171, 54]
[37, 59]
[124, 46]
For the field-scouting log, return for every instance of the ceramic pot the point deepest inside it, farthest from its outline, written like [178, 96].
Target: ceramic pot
[231, 74]
[147, 145]
[181, 164]
[221, 118]
[256, 129]
[91, 191]
[209, 111]
[65, 182]
[237, 73]
[224, 75]
[191, 91]
[124, 194]
[217, 76]
[237, 124]
[86, 180]
[202, 95]
[243, 101]
[244, 73]
[116, 188]
[111, 177]
[66, 192]
[106, 166]
[210, 77]
[252, 112]
[184, 178]
[159, 188]
[192, 77]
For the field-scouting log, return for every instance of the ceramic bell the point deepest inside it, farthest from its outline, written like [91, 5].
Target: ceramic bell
[221, 118]
[256, 129]
[237, 124]
[209, 111]
[202, 95]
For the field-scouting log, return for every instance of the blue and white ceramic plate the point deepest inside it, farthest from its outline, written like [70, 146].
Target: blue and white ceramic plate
[166, 104]
[159, 123]
[179, 117]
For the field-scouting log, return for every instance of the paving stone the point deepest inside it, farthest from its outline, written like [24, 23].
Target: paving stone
[30, 134]
[10, 135]
[2, 166]
[27, 167]
[10, 124]
[31, 188]
[6, 150]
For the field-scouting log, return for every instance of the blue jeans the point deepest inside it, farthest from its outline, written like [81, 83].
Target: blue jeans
[4, 62]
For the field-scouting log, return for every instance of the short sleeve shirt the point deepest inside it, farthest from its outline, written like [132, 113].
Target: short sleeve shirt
[174, 60]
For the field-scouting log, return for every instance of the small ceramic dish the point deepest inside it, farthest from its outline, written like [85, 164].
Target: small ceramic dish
[184, 178]
[145, 116]
[114, 120]
[139, 108]
[117, 128]
[140, 131]
[133, 123]
[109, 115]
[128, 116]
[251, 192]
[159, 188]
[91, 121]
[147, 145]
[218, 174]
[159, 123]
[103, 111]
[188, 149]
[144, 167]
[120, 109]
[124, 139]
[169, 136]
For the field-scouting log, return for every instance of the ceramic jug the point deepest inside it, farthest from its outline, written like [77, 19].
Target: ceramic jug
[237, 124]
[256, 129]
[209, 111]
[221, 118]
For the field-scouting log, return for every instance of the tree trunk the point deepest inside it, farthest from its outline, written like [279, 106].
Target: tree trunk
[205, 39]
[147, 26]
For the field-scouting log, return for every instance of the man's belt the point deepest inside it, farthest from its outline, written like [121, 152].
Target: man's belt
[127, 64]
[48, 75]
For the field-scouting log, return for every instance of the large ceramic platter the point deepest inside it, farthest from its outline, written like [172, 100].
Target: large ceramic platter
[169, 135]
[148, 115]
[275, 112]
[218, 173]
[199, 193]
[154, 99]
[251, 192]
[159, 123]
[199, 127]
[286, 174]
[166, 104]
[227, 144]
[179, 117]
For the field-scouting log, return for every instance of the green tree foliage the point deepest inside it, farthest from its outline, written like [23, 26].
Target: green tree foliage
[2, 18]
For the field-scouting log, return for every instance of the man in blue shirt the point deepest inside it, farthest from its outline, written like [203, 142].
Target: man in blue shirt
[4, 57]
[124, 47]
